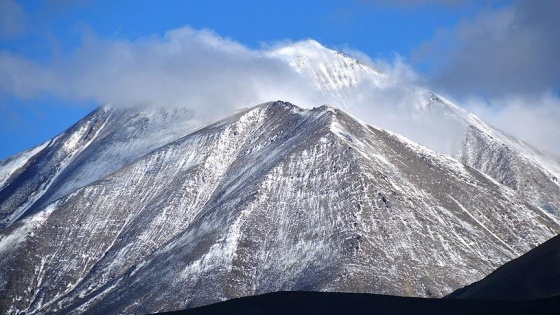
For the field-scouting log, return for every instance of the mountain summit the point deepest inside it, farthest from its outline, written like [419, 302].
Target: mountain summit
[273, 198]
[149, 209]
[429, 119]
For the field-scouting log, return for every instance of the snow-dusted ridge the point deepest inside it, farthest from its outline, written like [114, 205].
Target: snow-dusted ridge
[101, 143]
[331, 70]
[145, 209]
[272, 198]
[429, 119]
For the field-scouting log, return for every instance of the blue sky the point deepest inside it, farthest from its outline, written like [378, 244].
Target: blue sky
[438, 39]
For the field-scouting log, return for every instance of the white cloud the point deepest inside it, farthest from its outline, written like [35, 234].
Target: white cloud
[214, 75]
[535, 119]
[194, 68]
[402, 105]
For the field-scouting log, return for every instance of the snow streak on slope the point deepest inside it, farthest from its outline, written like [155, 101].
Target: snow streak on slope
[12, 164]
[98, 145]
[431, 120]
[34, 179]
[330, 70]
[144, 214]
[273, 198]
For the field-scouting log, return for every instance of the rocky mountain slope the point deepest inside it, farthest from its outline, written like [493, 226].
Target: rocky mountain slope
[146, 209]
[100, 144]
[431, 120]
[273, 198]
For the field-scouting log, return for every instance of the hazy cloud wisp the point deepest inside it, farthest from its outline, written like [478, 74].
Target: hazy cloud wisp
[535, 119]
[185, 67]
[511, 50]
[503, 65]
[214, 76]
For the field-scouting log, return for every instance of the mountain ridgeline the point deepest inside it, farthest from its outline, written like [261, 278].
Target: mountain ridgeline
[273, 198]
[152, 209]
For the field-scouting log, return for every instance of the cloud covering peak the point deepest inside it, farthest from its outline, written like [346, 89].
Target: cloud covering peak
[184, 67]
[213, 76]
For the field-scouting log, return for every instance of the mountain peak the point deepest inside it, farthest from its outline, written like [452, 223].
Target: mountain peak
[275, 197]
[135, 203]
[330, 70]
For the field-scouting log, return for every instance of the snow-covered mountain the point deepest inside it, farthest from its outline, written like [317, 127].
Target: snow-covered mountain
[431, 120]
[151, 209]
[102, 143]
[273, 198]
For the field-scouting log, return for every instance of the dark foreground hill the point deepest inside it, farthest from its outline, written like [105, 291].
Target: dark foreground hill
[350, 303]
[535, 275]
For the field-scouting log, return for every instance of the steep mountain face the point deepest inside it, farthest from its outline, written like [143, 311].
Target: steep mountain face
[101, 143]
[331, 71]
[432, 121]
[143, 210]
[532, 174]
[535, 275]
[273, 198]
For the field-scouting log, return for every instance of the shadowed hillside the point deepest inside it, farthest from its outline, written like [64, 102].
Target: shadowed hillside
[349, 303]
